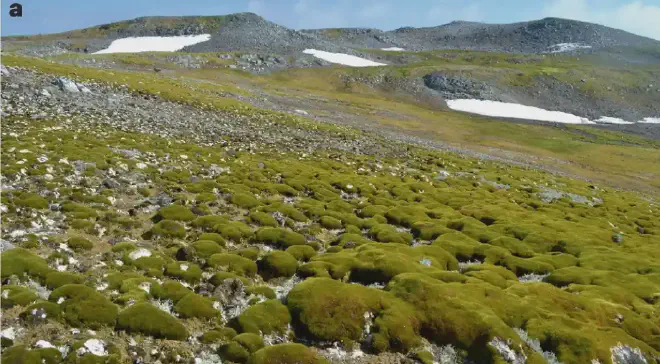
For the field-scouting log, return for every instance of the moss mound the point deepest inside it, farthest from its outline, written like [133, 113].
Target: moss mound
[330, 222]
[59, 279]
[266, 318]
[302, 253]
[217, 238]
[326, 309]
[169, 229]
[234, 263]
[175, 213]
[286, 354]
[194, 305]
[205, 248]
[261, 290]
[223, 334]
[31, 200]
[84, 306]
[263, 219]
[189, 272]
[23, 264]
[279, 237]
[148, 320]
[17, 296]
[52, 310]
[79, 244]
[172, 290]
[277, 264]
[244, 200]
[21, 354]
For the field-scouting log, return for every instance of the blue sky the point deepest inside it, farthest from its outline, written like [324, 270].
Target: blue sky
[47, 16]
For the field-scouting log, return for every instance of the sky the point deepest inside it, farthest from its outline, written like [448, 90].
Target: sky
[47, 16]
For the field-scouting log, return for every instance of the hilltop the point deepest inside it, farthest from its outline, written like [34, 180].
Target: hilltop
[250, 32]
[261, 195]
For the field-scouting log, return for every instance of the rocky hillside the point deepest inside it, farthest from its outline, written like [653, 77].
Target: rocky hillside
[139, 229]
[243, 202]
[250, 32]
[527, 37]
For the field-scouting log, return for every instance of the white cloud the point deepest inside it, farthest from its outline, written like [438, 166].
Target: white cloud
[636, 17]
[445, 11]
[256, 6]
[374, 10]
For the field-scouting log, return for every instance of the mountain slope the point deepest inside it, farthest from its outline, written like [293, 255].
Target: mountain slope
[525, 37]
[250, 32]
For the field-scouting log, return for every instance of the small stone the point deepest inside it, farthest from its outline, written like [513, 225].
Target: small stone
[619, 318]
[66, 85]
[111, 183]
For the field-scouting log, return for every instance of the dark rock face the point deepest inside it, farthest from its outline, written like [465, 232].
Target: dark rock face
[458, 87]
[537, 36]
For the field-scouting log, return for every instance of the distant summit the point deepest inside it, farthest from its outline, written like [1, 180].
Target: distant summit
[252, 33]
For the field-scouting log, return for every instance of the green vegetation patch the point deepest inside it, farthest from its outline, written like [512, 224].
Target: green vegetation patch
[233, 263]
[23, 264]
[277, 264]
[194, 305]
[264, 318]
[279, 237]
[147, 319]
[84, 306]
[286, 354]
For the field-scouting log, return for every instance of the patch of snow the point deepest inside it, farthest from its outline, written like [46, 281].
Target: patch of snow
[393, 49]
[184, 267]
[139, 253]
[609, 120]
[650, 121]
[567, 47]
[60, 300]
[43, 344]
[516, 111]
[342, 58]
[153, 44]
[9, 333]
